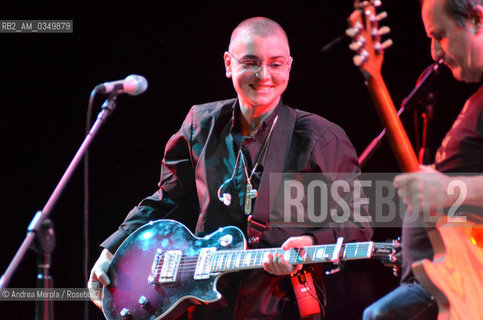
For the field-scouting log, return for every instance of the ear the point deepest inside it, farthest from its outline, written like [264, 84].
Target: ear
[477, 18]
[228, 64]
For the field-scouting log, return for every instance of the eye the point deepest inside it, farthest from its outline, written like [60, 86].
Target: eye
[250, 63]
[438, 36]
[276, 65]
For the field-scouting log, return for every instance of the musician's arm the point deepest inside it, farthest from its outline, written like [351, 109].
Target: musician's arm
[173, 188]
[429, 189]
[177, 183]
[98, 277]
[474, 186]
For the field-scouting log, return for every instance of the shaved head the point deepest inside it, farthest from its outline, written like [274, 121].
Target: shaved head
[260, 26]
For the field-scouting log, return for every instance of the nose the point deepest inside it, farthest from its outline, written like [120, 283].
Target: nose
[263, 72]
[436, 50]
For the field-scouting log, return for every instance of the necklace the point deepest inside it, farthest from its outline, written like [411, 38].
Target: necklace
[250, 192]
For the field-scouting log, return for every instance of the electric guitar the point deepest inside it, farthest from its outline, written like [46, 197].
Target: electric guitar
[162, 268]
[455, 276]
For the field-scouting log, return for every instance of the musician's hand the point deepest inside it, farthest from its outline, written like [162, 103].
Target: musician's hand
[276, 264]
[99, 278]
[426, 190]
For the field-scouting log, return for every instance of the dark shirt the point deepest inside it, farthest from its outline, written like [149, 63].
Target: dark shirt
[460, 152]
[201, 156]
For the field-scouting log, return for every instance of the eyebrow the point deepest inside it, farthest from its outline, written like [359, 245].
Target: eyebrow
[251, 56]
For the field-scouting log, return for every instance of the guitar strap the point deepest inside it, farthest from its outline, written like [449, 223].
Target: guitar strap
[258, 222]
[277, 150]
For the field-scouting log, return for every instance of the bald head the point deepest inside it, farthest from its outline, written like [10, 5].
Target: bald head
[259, 26]
[460, 10]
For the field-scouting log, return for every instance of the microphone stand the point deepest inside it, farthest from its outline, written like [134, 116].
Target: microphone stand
[41, 228]
[363, 158]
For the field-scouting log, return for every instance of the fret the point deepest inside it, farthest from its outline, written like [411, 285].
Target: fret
[290, 256]
[259, 258]
[320, 252]
[329, 252]
[246, 261]
[349, 251]
[304, 257]
[242, 259]
[358, 250]
[232, 260]
[220, 261]
[237, 260]
[265, 255]
[227, 260]
[311, 253]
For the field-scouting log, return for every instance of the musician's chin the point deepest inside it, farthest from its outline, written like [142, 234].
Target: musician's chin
[467, 76]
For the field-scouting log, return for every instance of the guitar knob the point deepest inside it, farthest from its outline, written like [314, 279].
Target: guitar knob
[126, 313]
[143, 301]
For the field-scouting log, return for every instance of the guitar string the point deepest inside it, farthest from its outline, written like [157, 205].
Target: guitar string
[221, 255]
[228, 265]
[224, 263]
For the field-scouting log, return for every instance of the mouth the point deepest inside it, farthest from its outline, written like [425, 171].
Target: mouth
[261, 87]
[449, 63]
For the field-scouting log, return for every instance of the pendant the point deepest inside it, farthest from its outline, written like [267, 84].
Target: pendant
[250, 194]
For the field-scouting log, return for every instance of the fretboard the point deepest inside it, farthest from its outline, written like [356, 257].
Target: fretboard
[234, 260]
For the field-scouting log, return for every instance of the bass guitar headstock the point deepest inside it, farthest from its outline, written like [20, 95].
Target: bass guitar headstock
[366, 36]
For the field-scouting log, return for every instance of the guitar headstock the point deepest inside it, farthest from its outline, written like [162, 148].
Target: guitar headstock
[366, 36]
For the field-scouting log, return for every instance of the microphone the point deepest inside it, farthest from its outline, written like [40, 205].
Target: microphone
[133, 85]
[423, 77]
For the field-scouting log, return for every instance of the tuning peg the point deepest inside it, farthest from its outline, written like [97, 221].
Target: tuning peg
[359, 43]
[386, 44]
[371, 16]
[381, 16]
[384, 30]
[355, 30]
[381, 47]
[351, 32]
[355, 46]
[360, 58]
[378, 33]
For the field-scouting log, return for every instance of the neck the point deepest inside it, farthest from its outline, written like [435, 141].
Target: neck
[252, 118]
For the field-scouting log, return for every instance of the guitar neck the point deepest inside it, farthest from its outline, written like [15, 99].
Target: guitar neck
[398, 138]
[235, 260]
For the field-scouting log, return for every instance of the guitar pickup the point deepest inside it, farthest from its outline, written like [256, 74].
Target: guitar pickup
[203, 265]
[165, 267]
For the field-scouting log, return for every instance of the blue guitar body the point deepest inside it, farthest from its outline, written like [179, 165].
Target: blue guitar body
[132, 265]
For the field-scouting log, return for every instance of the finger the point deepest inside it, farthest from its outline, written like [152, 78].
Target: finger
[103, 278]
[426, 168]
[402, 180]
[282, 266]
[297, 242]
[268, 264]
[297, 268]
[277, 265]
[95, 289]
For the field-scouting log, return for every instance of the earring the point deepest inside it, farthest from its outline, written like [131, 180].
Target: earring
[226, 197]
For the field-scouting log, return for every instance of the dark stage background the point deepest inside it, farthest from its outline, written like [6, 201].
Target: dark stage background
[178, 46]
